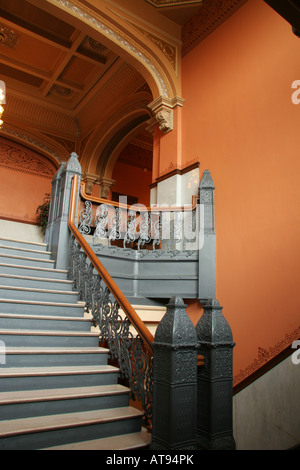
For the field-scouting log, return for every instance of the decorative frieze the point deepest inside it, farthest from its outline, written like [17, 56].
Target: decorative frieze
[209, 16]
[173, 3]
[18, 158]
[169, 50]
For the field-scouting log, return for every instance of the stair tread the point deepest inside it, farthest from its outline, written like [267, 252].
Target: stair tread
[49, 261]
[67, 420]
[25, 396]
[44, 317]
[24, 332]
[26, 250]
[32, 278]
[33, 289]
[121, 442]
[22, 241]
[54, 350]
[41, 302]
[56, 370]
[37, 268]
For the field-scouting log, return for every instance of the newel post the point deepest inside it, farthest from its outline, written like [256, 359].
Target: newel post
[174, 380]
[57, 232]
[215, 382]
[207, 246]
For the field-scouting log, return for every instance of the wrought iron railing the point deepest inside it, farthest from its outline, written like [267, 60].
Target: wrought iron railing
[120, 328]
[158, 228]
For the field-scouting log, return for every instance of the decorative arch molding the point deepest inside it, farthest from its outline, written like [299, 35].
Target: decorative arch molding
[94, 149]
[100, 154]
[42, 146]
[21, 158]
[118, 143]
[136, 46]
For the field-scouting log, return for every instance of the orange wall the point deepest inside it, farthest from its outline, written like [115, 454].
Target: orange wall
[132, 181]
[21, 189]
[21, 194]
[238, 118]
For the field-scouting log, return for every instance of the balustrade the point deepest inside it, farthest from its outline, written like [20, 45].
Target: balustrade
[167, 229]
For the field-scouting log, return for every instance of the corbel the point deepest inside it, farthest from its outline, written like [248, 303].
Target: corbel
[162, 109]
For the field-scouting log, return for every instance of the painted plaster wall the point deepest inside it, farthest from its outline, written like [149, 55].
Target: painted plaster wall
[133, 181]
[25, 179]
[238, 119]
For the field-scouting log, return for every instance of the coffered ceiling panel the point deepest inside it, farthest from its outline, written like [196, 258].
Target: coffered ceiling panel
[47, 58]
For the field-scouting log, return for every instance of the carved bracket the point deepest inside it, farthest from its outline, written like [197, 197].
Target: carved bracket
[162, 110]
[89, 181]
[105, 185]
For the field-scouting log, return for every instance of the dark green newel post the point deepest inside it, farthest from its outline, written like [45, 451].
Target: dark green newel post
[174, 380]
[57, 232]
[215, 383]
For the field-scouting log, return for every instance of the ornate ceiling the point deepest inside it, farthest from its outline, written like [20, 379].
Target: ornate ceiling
[62, 84]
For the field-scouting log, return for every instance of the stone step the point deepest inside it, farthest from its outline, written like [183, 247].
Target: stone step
[54, 356]
[21, 404]
[12, 242]
[48, 431]
[138, 440]
[31, 307]
[45, 295]
[39, 338]
[51, 377]
[13, 268]
[44, 322]
[36, 282]
[26, 261]
[24, 252]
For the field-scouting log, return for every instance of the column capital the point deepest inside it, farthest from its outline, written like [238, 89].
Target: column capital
[162, 109]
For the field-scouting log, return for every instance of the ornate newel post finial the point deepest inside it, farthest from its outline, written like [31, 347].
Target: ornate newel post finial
[215, 383]
[57, 233]
[174, 380]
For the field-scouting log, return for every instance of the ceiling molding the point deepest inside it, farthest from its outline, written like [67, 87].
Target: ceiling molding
[173, 3]
[208, 18]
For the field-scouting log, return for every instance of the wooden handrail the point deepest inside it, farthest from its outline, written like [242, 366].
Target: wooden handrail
[98, 200]
[110, 283]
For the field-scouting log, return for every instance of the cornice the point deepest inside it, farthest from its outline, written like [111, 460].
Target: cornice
[172, 3]
[209, 17]
[266, 359]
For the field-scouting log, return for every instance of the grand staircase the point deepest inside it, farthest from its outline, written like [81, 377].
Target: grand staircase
[57, 390]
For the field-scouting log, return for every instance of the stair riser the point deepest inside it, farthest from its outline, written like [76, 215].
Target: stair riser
[20, 410]
[20, 244]
[50, 360]
[37, 309]
[57, 381]
[42, 296]
[40, 324]
[16, 269]
[37, 341]
[19, 252]
[27, 261]
[68, 435]
[35, 283]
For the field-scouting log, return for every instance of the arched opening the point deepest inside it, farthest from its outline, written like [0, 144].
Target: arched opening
[79, 81]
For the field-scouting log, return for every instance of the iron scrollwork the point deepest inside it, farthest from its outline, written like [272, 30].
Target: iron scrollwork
[115, 329]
